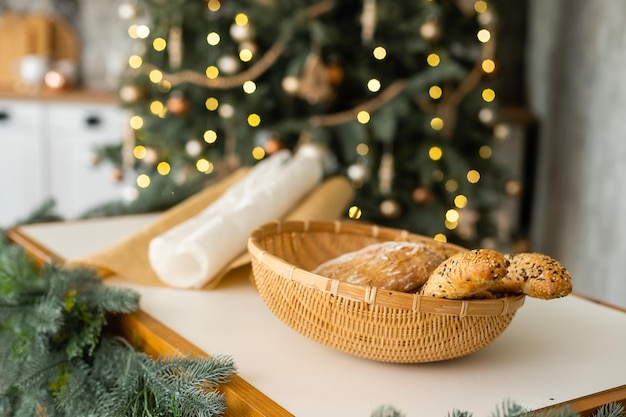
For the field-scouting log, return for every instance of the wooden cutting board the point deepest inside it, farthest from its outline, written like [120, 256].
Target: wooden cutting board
[33, 34]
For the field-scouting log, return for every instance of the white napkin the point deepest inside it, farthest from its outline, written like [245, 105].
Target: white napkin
[191, 254]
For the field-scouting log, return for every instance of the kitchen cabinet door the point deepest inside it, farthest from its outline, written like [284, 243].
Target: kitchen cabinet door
[75, 130]
[23, 162]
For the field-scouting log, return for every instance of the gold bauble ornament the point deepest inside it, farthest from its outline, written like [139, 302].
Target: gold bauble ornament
[430, 30]
[390, 208]
[273, 145]
[152, 157]
[117, 175]
[422, 196]
[513, 188]
[131, 93]
[178, 105]
[291, 84]
[335, 74]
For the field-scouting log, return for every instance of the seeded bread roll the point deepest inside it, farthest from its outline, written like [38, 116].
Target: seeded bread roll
[536, 275]
[466, 274]
[397, 266]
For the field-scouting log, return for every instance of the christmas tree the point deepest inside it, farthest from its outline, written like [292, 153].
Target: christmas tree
[397, 96]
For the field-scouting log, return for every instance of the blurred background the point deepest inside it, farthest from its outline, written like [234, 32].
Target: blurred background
[484, 123]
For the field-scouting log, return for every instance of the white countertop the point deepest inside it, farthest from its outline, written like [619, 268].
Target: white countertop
[552, 352]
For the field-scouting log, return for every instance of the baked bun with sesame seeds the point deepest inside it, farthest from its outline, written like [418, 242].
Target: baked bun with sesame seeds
[466, 275]
[536, 275]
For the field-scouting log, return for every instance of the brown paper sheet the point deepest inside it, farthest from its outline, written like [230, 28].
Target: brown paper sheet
[129, 258]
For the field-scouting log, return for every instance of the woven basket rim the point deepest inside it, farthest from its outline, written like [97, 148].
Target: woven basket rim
[367, 294]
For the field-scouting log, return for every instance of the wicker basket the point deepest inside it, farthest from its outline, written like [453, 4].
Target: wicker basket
[377, 324]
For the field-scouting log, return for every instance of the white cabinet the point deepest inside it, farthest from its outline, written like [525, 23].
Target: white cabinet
[46, 151]
[23, 166]
[74, 131]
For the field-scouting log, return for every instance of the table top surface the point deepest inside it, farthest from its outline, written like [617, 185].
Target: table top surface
[553, 351]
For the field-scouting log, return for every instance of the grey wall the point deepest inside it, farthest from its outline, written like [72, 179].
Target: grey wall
[577, 87]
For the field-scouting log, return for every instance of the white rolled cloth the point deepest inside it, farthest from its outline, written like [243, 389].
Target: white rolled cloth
[190, 254]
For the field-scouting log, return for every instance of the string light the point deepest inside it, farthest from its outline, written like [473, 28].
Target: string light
[451, 185]
[212, 72]
[452, 215]
[136, 122]
[159, 44]
[435, 153]
[433, 60]
[135, 61]
[379, 53]
[489, 95]
[488, 66]
[132, 32]
[214, 5]
[213, 38]
[436, 123]
[249, 87]
[451, 225]
[354, 212]
[163, 168]
[155, 76]
[143, 31]
[241, 19]
[254, 120]
[480, 6]
[245, 55]
[139, 152]
[143, 181]
[485, 152]
[452, 219]
[363, 117]
[373, 85]
[156, 107]
[258, 153]
[483, 35]
[204, 166]
[435, 92]
[473, 176]
[440, 237]
[210, 136]
[164, 86]
[460, 201]
[211, 103]
[362, 149]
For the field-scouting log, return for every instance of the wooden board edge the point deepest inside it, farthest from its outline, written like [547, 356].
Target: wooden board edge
[588, 405]
[39, 252]
[158, 340]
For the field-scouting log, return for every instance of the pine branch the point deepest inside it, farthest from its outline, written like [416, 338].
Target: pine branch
[509, 408]
[611, 410]
[56, 359]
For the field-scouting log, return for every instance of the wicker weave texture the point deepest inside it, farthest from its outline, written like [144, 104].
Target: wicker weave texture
[381, 325]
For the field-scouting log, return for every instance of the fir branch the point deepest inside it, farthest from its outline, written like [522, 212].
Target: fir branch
[508, 408]
[611, 410]
[56, 359]
[386, 411]
[44, 213]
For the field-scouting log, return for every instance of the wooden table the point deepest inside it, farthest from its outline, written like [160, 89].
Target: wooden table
[566, 351]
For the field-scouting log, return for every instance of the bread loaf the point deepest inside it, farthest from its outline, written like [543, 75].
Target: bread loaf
[466, 274]
[397, 266]
[536, 275]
